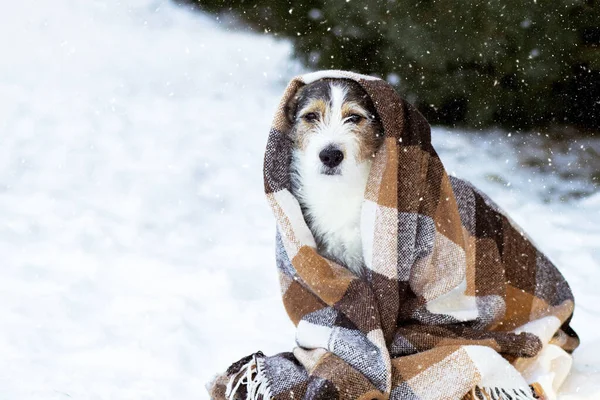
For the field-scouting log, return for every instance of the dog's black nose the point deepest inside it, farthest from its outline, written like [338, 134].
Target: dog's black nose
[331, 157]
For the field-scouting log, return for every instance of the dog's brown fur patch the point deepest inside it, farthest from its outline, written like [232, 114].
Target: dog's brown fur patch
[371, 138]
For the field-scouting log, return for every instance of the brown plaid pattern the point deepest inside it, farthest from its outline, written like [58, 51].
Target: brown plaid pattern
[454, 291]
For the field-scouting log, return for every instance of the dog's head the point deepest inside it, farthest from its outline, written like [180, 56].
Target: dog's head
[335, 128]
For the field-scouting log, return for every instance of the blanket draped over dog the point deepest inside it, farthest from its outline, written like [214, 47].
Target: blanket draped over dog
[455, 301]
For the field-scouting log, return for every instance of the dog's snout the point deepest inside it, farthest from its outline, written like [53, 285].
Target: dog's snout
[331, 157]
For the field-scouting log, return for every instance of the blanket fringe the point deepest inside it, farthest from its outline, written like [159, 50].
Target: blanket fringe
[493, 393]
[251, 375]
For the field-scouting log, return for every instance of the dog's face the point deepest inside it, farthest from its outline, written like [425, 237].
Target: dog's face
[335, 127]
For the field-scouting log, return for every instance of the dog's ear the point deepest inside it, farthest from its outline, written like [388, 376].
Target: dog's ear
[291, 108]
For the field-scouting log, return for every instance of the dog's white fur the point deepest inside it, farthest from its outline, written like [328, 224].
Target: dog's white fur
[333, 202]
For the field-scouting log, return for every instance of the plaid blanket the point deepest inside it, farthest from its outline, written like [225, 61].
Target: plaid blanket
[456, 301]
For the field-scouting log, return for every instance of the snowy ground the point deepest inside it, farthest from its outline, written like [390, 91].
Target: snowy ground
[137, 247]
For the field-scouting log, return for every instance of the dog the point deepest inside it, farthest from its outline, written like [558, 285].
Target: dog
[335, 134]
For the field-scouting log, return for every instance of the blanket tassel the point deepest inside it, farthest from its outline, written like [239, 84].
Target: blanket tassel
[489, 393]
[253, 377]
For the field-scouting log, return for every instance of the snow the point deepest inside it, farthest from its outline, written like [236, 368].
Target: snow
[136, 242]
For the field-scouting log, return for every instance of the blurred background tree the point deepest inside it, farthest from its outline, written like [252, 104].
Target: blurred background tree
[510, 63]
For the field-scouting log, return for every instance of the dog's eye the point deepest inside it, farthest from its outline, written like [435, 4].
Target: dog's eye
[354, 118]
[310, 117]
